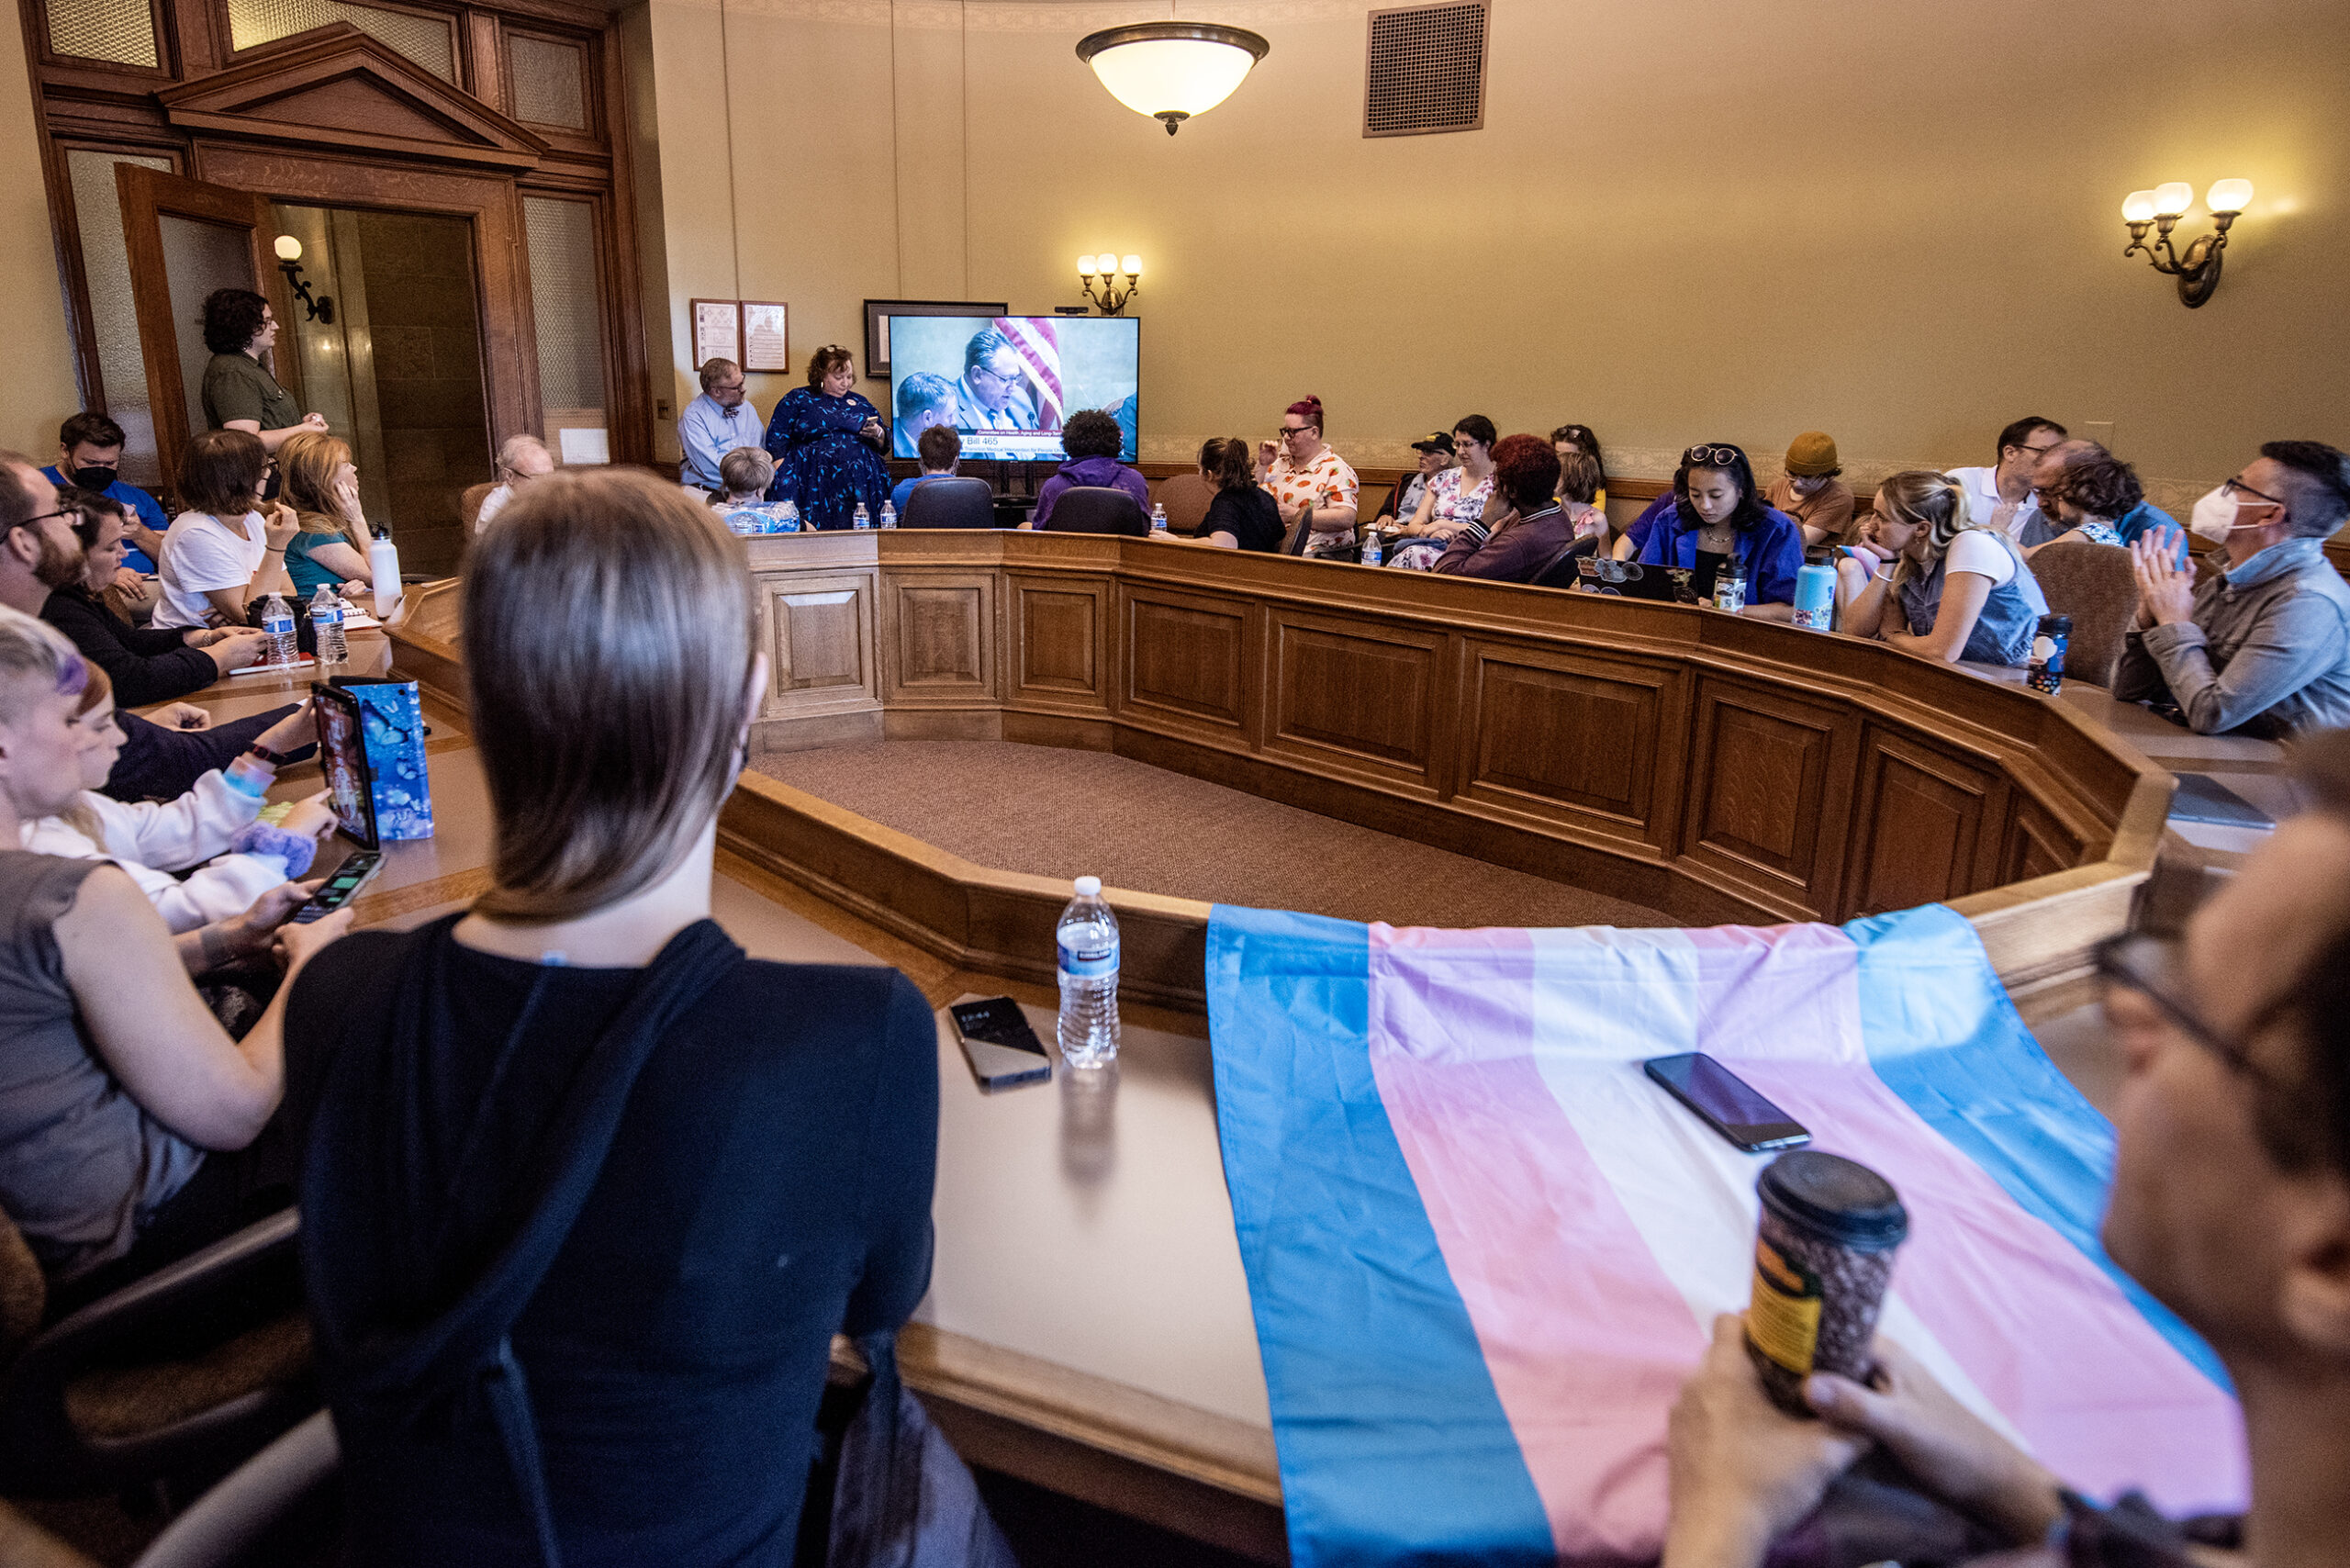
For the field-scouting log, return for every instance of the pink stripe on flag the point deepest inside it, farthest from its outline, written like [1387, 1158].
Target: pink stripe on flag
[1584, 1336]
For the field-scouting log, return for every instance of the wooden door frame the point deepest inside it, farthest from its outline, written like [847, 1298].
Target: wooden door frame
[147, 196]
[491, 204]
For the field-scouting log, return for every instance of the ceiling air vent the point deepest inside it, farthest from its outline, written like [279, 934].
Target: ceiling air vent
[1427, 70]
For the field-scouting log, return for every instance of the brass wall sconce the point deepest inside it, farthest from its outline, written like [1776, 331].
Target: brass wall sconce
[289, 262]
[2161, 208]
[1107, 266]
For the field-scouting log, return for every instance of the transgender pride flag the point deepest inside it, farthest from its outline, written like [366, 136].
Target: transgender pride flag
[1483, 1250]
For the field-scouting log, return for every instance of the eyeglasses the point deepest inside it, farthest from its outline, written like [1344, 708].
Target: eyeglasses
[2040, 451]
[2145, 964]
[1288, 431]
[988, 370]
[42, 517]
[2231, 486]
[1712, 456]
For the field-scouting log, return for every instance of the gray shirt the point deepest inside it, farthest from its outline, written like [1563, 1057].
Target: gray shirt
[81, 1165]
[2266, 653]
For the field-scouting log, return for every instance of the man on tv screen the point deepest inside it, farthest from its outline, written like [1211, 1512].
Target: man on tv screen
[994, 393]
[924, 400]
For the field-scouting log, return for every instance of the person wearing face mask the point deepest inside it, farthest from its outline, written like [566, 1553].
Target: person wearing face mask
[827, 441]
[2262, 643]
[1811, 491]
[89, 457]
[1718, 516]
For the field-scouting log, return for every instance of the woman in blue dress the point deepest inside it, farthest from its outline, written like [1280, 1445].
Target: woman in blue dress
[827, 441]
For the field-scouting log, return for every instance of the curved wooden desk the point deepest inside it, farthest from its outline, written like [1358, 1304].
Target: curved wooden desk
[1089, 1324]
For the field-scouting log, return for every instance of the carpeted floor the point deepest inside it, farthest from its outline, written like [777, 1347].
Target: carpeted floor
[1052, 813]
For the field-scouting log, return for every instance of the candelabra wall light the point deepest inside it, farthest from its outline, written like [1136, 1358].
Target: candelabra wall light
[1107, 266]
[2161, 208]
[289, 262]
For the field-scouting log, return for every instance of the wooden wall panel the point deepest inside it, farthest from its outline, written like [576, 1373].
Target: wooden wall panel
[939, 637]
[1571, 738]
[1768, 791]
[1357, 695]
[1186, 660]
[2037, 843]
[1057, 636]
[1922, 818]
[819, 636]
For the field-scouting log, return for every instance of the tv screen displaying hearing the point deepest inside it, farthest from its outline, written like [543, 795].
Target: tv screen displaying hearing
[1008, 385]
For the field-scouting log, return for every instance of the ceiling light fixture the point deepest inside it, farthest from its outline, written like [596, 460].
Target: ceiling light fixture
[1171, 71]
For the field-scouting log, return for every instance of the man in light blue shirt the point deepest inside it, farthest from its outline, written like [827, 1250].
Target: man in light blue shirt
[716, 423]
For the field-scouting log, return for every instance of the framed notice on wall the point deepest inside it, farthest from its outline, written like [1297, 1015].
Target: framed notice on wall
[718, 330]
[876, 324]
[767, 345]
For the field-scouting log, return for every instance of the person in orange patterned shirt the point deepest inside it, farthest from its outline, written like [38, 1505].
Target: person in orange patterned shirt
[1303, 472]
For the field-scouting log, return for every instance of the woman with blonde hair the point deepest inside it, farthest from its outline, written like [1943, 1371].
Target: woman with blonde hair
[1922, 579]
[589, 1190]
[321, 482]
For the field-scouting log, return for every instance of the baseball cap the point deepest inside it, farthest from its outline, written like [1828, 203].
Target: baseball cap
[1440, 442]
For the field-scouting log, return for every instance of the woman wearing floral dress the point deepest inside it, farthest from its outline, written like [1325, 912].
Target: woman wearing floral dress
[827, 441]
[1453, 499]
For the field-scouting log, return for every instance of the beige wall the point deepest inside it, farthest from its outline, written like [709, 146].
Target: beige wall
[37, 384]
[1685, 219]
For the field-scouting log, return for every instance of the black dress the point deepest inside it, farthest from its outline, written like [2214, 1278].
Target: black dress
[769, 1183]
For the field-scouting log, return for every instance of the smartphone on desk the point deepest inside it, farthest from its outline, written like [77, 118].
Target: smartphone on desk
[1727, 1102]
[999, 1044]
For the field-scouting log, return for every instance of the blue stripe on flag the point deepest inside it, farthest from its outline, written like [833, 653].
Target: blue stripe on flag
[1943, 1035]
[1393, 1446]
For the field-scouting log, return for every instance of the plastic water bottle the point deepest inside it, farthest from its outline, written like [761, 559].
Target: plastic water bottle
[889, 514]
[277, 623]
[1157, 519]
[1374, 548]
[1088, 938]
[861, 517]
[384, 568]
[326, 625]
[1816, 591]
[786, 518]
[1729, 588]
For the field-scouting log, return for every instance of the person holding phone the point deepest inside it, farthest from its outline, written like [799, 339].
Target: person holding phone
[827, 441]
[766, 1133]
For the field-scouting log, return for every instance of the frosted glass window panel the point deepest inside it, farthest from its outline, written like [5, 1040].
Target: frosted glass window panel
[428, 40]
[549, 82]
[122, 31]
[113, 318]
[565, 302]
[199, 257]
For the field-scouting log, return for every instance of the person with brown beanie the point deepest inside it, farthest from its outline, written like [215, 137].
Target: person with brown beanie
[1811, 493]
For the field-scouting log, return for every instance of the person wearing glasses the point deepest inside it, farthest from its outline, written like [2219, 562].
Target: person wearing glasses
[715, 423]
[2260, 640]
[827, 441]
[1718, 516]
[1305, 474]
[2230, 1204]
[1452, 499]
[2000, 496]
[993, 394]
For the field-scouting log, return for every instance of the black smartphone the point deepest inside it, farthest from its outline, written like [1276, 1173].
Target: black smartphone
[1725, 1102]
[338, 890]
[999, 1044]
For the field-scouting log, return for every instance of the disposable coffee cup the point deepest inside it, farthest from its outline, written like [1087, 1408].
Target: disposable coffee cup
[1823, 1254]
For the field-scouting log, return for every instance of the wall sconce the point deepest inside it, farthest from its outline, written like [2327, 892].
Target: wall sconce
[2161, 210]
[289, 262]
[1107, 265]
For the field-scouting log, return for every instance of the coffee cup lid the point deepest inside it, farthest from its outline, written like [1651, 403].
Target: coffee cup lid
[1836, 1198]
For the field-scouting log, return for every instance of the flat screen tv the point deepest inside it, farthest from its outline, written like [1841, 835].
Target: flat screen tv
[1009, 384]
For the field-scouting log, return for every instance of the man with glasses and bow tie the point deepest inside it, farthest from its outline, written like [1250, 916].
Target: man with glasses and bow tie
[2259, 641]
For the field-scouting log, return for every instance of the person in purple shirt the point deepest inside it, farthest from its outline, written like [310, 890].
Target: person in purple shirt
[1092, 439]
[1524, 530]
[1718, 516]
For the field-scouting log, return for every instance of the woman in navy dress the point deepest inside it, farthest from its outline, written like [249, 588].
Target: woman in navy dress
[828, 442]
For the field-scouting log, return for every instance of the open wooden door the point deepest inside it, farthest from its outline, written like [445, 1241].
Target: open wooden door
[185, 239]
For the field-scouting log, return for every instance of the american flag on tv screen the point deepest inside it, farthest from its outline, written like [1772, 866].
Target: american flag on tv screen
[1040, 351]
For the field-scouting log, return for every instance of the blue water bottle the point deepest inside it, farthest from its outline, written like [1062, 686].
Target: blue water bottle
[2046, 671]
[1816, 591]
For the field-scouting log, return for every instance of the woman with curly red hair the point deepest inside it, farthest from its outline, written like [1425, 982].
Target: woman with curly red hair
[1525, 529]
[1304, 475]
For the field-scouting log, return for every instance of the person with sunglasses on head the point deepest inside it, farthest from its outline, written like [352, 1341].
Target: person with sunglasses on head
[2000, 496]
[2260, 640]
[1718, 516]
[2230, 1204]
[1955, 591]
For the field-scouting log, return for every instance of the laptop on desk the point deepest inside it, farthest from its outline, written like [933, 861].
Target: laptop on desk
[350, 794]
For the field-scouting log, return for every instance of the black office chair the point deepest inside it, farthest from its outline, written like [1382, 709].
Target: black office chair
[1098, 508]
[1562, 571]
[950, 503]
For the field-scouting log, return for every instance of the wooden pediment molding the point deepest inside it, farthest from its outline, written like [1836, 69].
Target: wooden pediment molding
[335, 86]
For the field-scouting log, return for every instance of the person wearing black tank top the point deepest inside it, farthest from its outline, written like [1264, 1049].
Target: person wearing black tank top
[588, 1192]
